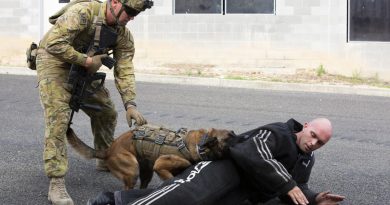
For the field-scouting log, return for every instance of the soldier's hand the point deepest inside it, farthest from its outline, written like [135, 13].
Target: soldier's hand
[133, 114]
[297, 196]
[94, 63]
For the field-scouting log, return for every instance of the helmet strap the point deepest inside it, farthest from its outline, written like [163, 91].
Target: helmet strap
[113, 12]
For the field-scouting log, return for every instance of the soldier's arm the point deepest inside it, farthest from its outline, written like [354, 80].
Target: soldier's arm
[63, 33]
[124, 69]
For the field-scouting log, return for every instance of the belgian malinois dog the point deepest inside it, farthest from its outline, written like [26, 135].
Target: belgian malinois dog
[135, 154]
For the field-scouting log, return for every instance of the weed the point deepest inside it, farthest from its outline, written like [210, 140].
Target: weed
[356, 77]
[188, 72]
[235, 77]
[320, 70]
[376, 79]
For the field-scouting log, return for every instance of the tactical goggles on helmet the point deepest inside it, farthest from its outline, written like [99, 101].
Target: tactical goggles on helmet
[133, 12]
[130, 11]
[147, 5]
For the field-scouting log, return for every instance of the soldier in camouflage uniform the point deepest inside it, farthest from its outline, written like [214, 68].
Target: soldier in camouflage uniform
[73, 29]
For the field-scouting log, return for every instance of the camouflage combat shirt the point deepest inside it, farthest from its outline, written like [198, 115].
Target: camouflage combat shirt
[74, 30]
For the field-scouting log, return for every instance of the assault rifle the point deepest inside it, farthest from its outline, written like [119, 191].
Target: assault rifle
[84, 84]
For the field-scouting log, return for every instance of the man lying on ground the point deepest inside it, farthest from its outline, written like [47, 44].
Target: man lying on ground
[270, 161]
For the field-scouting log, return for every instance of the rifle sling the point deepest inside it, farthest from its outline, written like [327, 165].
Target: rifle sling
[98, 21]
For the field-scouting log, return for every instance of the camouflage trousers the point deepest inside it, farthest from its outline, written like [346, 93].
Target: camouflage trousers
[55, 98]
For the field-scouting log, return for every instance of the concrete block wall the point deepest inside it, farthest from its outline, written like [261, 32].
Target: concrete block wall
[301, 34]
[20, 18]
[19, 26]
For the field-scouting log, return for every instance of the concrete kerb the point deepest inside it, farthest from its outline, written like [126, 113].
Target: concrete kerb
[250, 84]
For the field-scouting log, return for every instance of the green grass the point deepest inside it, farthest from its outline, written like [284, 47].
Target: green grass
[356, 77]
[195, 73]
[317, 75]
[236, 77]
[320, 71]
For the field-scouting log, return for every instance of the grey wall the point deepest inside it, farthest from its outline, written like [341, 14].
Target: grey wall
[301, 34]
[20, 18]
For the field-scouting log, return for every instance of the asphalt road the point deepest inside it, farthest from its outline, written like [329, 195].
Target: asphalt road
[355, 163]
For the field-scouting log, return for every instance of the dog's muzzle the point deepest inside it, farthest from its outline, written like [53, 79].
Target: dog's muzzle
[203, 148]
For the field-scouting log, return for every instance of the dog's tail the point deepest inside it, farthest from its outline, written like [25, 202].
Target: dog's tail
[83, 149]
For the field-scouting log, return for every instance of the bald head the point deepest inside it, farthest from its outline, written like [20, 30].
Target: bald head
[314, 134]
[323, 127]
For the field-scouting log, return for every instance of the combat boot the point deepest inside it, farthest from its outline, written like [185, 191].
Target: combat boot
[57, 192]
[101, 165]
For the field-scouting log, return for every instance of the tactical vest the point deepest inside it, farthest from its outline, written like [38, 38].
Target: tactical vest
[99, 30]
[152, 142]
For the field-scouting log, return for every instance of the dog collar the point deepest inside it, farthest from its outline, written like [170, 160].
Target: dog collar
[181, 146]
[201, 148]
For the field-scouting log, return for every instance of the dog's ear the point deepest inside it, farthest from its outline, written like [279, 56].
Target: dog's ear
[211, 141]
[232, 134]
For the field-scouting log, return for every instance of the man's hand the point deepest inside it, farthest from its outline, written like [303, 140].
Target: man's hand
[94, 63]
[297, 196]
[133, 114]
[325, 198]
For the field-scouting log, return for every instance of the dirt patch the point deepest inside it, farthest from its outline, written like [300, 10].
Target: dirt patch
[12, 53]
[309, 76]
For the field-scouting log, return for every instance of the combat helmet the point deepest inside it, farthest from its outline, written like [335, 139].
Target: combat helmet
[131, 7]
[134, 7]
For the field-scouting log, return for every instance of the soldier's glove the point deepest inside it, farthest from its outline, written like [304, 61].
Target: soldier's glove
[133, 114]
[96, 63]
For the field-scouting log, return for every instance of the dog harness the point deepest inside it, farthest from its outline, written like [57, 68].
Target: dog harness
[152, 142]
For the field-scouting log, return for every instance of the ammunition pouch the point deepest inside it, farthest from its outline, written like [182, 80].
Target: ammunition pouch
[31, 55]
